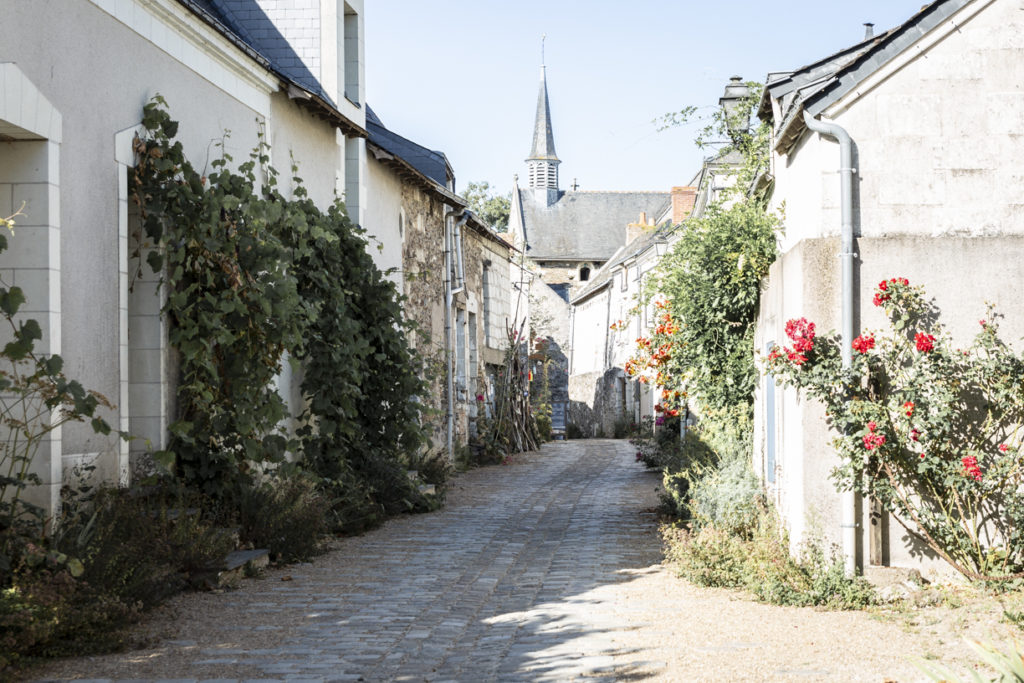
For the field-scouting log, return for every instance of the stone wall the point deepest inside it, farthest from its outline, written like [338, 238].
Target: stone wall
[599, 400]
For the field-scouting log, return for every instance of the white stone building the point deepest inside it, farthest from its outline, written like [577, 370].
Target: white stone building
[933, 109]
[73, 82]
[566, 236]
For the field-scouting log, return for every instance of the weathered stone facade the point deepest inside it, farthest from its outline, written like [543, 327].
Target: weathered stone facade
[423, 280]
[480, 313]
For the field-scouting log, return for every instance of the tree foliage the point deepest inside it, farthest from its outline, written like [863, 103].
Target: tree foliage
[708, 285]
[736, 132]
[711, 282]
[493, 209]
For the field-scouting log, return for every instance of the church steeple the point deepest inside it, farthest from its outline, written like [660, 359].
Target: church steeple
[543, 161]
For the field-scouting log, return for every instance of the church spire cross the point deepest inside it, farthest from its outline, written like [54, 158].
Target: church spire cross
[543, 161]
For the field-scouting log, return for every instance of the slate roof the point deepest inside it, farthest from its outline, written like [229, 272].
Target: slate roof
[602, 277]
[245, 24]
[430, 163]
[814, 87]
[581, 225]
[427, 168]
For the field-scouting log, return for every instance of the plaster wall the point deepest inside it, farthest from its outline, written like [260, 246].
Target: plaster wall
[383, 217]
[97, 98]
[589, 335]
[114, 58]
[938, 142]
[938, 197]
[298, 136]
[805, 283]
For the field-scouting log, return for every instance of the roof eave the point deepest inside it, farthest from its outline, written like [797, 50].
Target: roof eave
[590, 291]
[322, 107]
[407, 171]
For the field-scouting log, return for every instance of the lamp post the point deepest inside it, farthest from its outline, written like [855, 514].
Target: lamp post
[736, 119]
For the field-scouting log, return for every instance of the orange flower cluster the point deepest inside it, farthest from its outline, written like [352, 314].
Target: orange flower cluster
[671, 412]
[653, 353]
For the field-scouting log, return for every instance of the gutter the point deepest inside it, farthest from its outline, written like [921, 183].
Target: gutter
[848, 502]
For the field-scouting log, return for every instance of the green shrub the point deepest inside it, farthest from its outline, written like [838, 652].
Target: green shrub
[625, 427]
[142, 546]
[286, 514]
[542, 418]
[729, 497]
[573, 431]
[760, 563]
[708, 557]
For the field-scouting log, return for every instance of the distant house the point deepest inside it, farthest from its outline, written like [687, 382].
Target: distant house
[73, 82]
[600, 392]
[415, 215]
[933, 109]
[566, 236]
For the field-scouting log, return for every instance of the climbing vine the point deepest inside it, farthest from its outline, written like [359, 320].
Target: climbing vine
[253, 276]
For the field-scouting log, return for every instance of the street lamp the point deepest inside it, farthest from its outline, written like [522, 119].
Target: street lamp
[736, 118]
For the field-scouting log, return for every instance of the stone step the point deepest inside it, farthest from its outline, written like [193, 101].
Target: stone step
[235, 566]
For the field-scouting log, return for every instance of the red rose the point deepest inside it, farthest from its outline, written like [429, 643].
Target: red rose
[971, 469]
[925, 342]
[802, 334]
[863, 343]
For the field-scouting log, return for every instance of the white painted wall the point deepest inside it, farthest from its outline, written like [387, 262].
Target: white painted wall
[589, 334]
[114, 57]
[940, 193]
[382, 218]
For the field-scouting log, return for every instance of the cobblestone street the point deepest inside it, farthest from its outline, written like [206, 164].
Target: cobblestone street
[542, 570]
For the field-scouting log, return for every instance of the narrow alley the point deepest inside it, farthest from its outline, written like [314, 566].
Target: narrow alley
[546, 569]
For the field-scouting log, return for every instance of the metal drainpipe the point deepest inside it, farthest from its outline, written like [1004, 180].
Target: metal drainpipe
[449, 299]
[848, 501]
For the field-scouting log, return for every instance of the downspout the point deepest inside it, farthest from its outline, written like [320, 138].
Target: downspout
[449, 299]
[848, 500]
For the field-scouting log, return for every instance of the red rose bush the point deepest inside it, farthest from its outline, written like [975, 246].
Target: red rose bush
[931, 431]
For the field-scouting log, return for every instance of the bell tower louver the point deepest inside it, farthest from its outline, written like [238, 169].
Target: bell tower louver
[543, 161]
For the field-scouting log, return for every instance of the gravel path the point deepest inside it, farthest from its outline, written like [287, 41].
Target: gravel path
[546, 569]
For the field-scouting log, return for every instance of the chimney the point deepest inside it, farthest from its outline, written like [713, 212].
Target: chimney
[683, 199]
[869, 30]
[634, 230]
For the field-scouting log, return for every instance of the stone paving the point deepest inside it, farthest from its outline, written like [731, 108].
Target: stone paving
[547, 569]
[493, 587]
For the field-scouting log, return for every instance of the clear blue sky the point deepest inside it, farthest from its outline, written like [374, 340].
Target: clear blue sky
[461, 76]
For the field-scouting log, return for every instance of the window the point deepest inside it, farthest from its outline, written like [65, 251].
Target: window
[473, 361]
[584, 273]
[488, 308]
[460, 354]
[350, 54]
